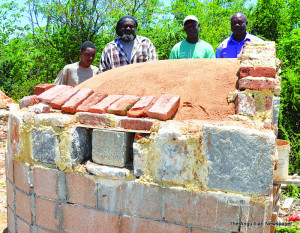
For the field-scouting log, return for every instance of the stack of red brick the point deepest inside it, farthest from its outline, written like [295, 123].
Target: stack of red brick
[72, 99]
[258, 73]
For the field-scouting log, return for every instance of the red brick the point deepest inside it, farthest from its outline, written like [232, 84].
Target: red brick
[256, 84]
[23, 209]
[11, 221]
[258, 212]
[139, 109]
[136, 123]
[21, 171]
[90, 101]
[28, 101]
[245, 105]
[130, 224]
[45, 182]
[79, 219]
[86, 196]
[10, 194]
[9, 167]
[122, 105]
[93, 119]
[71, 105]
[257, 72]
[42, 88]
[165, 107]
[40, 230]
[23, 226]
[50, 94]
[61, 99]
[47, 213]
[208, 209]
[104, 104]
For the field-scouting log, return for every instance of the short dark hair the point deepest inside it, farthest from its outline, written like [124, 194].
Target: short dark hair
[119, 23]
[87, 44]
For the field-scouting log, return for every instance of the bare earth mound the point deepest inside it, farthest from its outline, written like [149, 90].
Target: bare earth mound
[202, 84]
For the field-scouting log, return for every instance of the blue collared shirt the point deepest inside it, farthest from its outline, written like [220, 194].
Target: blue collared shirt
[230, 48]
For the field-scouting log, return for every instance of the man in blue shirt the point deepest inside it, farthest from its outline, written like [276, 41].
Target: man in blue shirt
[232, 46]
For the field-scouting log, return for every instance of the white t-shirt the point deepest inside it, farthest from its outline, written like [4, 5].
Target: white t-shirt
[73, 74]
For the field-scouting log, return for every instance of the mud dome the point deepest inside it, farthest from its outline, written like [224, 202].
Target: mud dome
[202, 84]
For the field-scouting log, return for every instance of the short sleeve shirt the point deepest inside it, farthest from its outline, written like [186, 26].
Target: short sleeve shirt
[230, 48]
[185, 49]
[73, 74]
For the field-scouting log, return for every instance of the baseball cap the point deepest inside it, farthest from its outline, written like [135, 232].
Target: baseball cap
[190, 17]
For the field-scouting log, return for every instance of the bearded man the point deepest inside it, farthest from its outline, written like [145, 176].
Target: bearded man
[128, 48]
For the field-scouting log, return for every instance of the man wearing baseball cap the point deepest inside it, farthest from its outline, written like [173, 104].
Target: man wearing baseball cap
[192, 46]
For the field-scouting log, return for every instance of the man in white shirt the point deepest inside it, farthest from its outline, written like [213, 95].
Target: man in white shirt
[78, 72]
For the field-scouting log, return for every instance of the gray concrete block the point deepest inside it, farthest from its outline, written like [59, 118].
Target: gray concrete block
[81, 145]
[44, 146]
[111, 147]
[276, 106]
[242, 160]
[108, 171]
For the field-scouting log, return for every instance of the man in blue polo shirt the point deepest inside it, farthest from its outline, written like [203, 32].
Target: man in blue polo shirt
[232, 46]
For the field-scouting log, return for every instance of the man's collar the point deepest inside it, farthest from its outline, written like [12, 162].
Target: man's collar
[231, 38]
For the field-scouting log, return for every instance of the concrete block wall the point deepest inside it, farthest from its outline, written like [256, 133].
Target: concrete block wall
[48, 200]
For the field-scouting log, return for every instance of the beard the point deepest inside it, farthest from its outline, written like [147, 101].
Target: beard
[127, 37]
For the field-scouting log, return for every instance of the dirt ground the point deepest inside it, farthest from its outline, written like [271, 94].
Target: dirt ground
[3, 206]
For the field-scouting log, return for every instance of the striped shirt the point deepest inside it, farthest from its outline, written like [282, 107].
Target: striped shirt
[114, 55]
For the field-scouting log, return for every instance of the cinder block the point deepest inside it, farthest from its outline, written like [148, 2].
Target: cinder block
[139, 109]
[81, 189]
[130, 224]
[256, 83]
[104, 104]
[136, 123]
[62, 98]
[213, 210]
[81, 145]
[241, 159]
[44, 146]
[165, 107]
[23, 226]
[122, 105]
[28, 101]
[90, 101]
[49, 183]
[21, 172]
[72, 104]
[40, 108]
[107, 171]
[10, 195]
[257, 72]
[56, 119]
[42, 88]
[80, 219]
[258, 214]
[23, 208]
[245, 105]
[276, 106]
[93, 119]
[47, 213]
[111, 147]
[51, 93]
[11, 224]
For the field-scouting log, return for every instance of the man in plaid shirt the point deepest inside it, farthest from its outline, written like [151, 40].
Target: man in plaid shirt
[128, 48]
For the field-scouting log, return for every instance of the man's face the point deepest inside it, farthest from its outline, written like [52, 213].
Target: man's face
[87, 57]
[191, 28]
[127, 30]
[238, 24]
